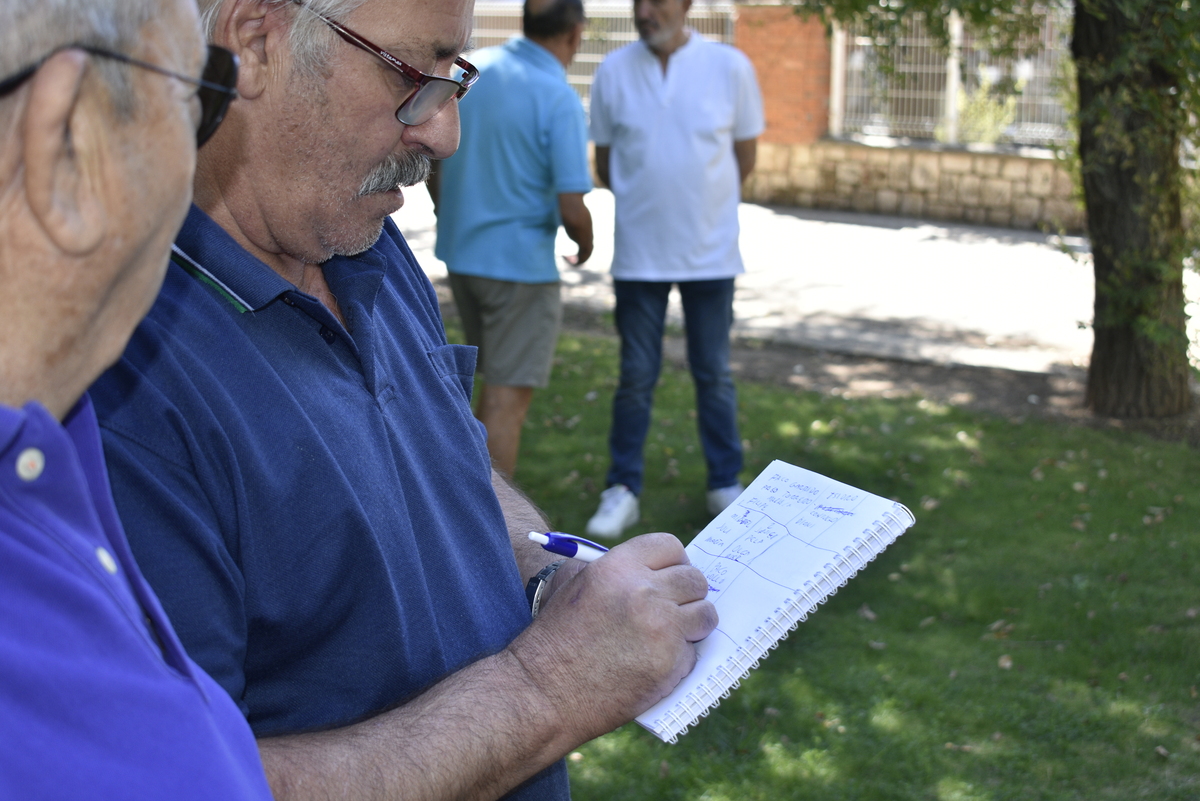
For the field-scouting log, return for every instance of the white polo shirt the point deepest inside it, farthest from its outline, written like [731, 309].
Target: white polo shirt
[672, 168]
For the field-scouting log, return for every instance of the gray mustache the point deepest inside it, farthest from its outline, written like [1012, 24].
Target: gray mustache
[406, 169]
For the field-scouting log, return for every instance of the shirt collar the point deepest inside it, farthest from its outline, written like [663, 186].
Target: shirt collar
[536, 55]
[210, 254]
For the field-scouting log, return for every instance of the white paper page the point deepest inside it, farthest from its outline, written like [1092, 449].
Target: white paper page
[778, 541]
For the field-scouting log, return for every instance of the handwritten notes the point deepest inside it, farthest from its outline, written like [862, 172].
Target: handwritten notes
[790, 541]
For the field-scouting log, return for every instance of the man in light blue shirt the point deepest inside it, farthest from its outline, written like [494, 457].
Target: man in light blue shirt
[521, 170]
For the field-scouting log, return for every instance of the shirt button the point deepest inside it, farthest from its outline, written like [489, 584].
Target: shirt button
[328, 335]
[106, 560]
[30, 464]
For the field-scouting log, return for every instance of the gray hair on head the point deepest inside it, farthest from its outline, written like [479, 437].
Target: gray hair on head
[310, 38]
[33, 29]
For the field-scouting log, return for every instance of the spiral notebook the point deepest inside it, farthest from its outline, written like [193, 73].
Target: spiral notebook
[790, 541]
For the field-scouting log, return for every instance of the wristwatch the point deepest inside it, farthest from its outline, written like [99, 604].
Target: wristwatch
[536, 589]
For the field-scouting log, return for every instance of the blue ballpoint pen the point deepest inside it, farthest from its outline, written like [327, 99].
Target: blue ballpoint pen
[568, 545]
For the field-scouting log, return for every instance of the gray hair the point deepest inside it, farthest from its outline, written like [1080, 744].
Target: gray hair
[33, 29]
[310, 38]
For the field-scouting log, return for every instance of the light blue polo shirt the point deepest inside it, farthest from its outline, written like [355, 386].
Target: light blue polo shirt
[524, 142]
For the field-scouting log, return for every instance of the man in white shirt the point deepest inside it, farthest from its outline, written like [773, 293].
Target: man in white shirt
[675, 119]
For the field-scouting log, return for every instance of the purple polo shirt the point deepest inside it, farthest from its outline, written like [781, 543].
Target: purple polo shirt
[97, 698]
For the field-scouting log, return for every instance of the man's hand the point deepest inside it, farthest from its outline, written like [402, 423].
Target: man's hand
[619, 636]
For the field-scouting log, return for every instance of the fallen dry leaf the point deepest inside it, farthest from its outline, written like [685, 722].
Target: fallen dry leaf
[1162, 752]
[865, 613]
[1005, 662]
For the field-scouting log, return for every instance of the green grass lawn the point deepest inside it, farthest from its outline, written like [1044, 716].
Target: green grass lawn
[1034, 636]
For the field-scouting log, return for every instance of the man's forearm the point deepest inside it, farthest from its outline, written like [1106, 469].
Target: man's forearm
[745, 153]
[475, 735]
[614, 640]
[577, 221]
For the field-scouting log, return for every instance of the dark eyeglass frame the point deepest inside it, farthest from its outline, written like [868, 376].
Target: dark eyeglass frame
[411, 111]
[216, 88]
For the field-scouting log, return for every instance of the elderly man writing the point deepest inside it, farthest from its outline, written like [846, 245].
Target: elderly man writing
[100, 111]
[292, 445]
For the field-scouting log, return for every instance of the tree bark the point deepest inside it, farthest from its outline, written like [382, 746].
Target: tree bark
[1130, 122]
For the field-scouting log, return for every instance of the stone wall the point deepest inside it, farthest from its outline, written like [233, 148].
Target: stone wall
[797, 167]
[1018, 190]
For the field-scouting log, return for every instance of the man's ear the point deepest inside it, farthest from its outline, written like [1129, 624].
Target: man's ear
[576, 39]
[257, 33]
[63, 154]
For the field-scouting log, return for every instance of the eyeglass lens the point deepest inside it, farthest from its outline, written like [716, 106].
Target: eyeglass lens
[426, 102]
[220, 70]
[430, 98]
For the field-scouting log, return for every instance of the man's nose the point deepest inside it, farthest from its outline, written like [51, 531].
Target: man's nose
[438, 136]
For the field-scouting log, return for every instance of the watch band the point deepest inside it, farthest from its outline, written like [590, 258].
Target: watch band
[535, 590]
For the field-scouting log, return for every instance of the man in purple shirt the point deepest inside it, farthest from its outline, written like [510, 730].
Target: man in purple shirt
[101, 107]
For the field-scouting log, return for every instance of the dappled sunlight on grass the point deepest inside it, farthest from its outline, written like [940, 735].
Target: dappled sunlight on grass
[950, 789]
[789, 764]
[887, 717]
[1035, 636]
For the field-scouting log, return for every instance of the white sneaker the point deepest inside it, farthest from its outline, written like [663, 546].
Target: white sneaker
[618, 511]
[718, 499]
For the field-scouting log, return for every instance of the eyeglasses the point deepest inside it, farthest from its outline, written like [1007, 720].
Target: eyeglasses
[430, 94]
[216, 87]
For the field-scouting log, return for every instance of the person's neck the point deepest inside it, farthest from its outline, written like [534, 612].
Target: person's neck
[60, 336]
[238, 213]
[665, 51]
[559, 47]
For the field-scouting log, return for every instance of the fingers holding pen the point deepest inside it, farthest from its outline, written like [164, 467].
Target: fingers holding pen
[625, 626]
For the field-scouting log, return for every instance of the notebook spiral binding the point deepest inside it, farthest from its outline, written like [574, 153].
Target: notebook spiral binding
[727, 677]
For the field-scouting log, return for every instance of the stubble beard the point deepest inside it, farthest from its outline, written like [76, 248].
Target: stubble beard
[397, 170]
[348, 233]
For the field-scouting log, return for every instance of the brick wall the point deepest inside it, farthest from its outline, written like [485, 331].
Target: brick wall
[791, 58]
[797, 166]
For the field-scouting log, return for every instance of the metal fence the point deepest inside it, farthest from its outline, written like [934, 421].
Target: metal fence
[960, 95]
[610, 25]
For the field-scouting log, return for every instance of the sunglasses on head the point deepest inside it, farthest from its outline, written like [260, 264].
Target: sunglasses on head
[215, 88]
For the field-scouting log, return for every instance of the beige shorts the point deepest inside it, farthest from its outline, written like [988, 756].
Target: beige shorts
[514, 325]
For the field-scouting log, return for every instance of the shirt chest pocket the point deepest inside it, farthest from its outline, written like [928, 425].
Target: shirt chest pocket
[456, 366]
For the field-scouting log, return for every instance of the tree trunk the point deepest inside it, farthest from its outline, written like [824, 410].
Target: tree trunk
[1130, 121]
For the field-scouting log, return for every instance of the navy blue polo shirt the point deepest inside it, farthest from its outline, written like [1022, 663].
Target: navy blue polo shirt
[312, 502]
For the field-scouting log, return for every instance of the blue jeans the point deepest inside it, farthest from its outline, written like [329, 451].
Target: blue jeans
[708, 316]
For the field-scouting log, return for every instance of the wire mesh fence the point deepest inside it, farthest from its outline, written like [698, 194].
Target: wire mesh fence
[961, 94]
[610, 26]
